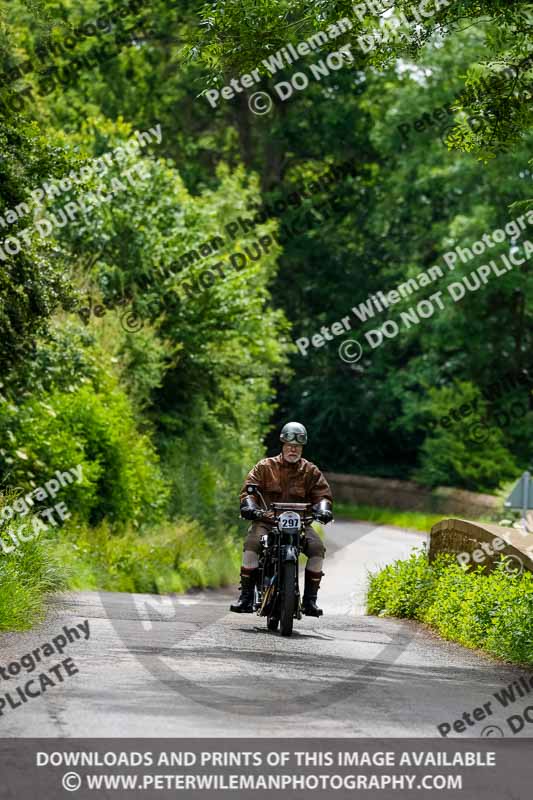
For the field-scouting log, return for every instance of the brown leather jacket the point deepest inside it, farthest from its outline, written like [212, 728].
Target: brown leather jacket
[281, 482]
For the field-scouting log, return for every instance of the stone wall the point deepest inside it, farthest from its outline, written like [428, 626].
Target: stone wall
[461, 536]
[410, 496]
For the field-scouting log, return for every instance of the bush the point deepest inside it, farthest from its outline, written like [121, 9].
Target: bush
[451, 456]
[492, 611]
[206, 464]
[27, 574]
[174, 558]
[96, 429]
[401, 588]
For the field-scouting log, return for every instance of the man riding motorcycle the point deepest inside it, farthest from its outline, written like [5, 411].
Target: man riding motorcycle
[286, 478]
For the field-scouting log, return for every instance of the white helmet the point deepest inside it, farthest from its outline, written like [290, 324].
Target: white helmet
[293, 432]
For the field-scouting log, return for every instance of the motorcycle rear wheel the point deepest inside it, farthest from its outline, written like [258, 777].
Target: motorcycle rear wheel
[288, 598]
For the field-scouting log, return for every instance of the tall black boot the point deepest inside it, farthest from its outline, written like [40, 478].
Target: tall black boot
[312, 585]
[244, 604]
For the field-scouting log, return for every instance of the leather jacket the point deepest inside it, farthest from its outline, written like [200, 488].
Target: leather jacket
[282, 482]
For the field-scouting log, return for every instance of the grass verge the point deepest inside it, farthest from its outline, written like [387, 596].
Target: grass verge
[416, 520]
[491, 611]
[172, 558]
[28, 572]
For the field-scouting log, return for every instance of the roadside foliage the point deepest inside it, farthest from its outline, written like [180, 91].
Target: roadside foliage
[149, 337]
[492, 611]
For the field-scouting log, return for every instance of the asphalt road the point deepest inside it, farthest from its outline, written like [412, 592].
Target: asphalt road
[185, 666]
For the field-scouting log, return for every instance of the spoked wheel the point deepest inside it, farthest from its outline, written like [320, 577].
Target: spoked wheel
[272, 623]
[287, 598]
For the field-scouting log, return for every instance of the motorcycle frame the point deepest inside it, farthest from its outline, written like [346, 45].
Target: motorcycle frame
[287, 546]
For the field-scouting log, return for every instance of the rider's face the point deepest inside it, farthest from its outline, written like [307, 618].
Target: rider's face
[292, 452]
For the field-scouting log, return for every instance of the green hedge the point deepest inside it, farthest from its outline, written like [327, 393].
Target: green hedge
[97, 430]
[492, 611]
[27, 575]
[172, 558]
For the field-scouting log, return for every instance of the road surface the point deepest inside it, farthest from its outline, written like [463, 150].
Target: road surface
[185, 666]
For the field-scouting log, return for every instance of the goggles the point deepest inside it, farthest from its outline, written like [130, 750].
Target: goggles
[294, 437]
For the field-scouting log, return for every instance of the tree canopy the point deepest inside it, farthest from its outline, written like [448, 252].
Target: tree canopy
[212, 247]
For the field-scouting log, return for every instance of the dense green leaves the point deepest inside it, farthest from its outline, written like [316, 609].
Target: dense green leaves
[490, 611]
[205, 375]
[32, 284]
[465, 449]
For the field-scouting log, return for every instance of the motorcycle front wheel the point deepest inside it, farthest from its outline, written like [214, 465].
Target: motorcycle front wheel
[288, 597]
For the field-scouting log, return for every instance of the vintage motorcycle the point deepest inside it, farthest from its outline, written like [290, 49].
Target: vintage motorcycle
[277, 593]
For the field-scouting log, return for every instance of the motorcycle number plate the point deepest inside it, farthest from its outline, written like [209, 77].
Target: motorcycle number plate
[289, 521]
